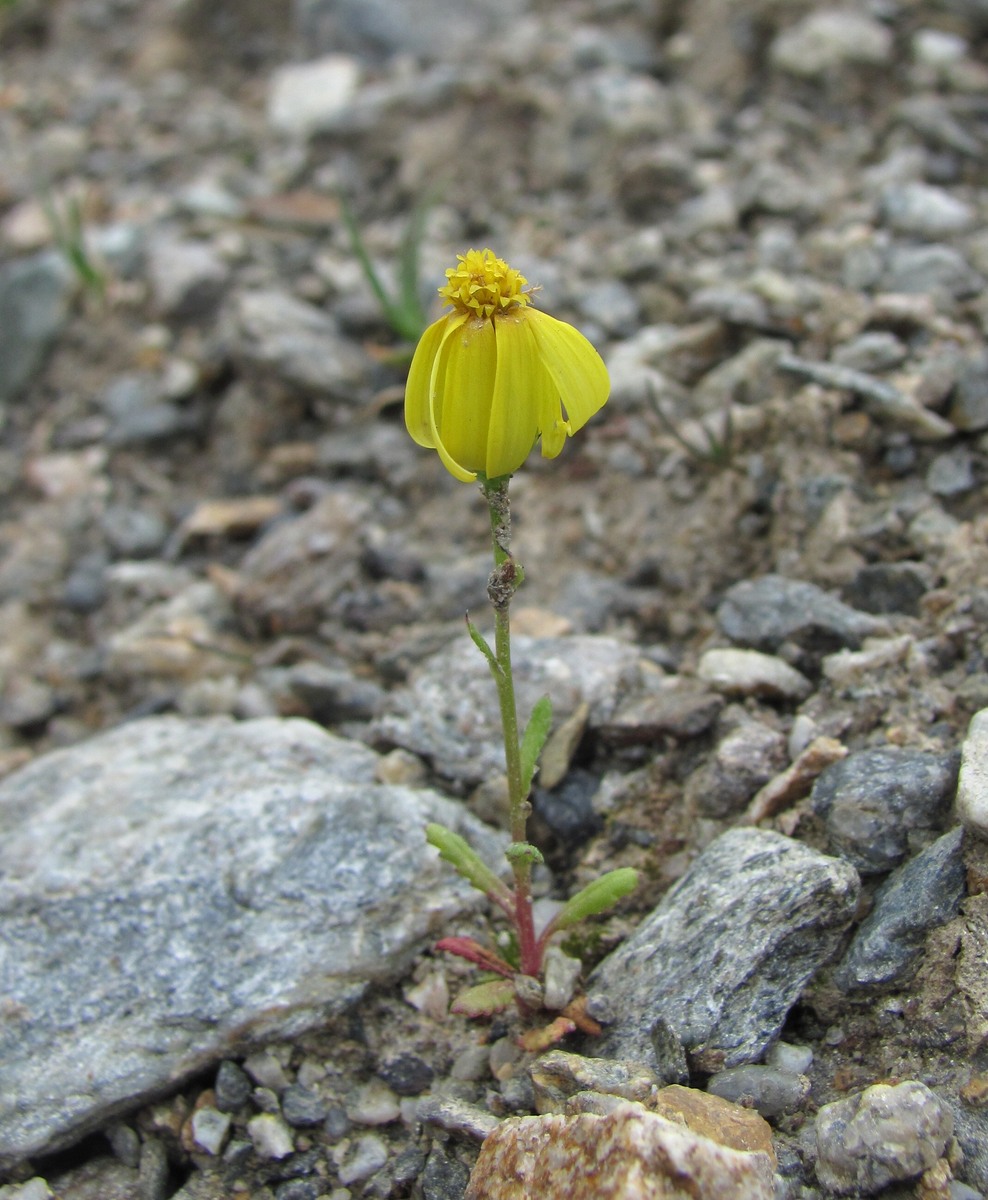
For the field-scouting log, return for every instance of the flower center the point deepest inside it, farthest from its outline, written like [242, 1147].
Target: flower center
[483, 284]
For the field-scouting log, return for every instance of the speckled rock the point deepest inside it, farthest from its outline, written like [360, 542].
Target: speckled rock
[876, 803]
[727, 951]
[590, 1157]
[882, 1135]
[450, 714]
[175, 889]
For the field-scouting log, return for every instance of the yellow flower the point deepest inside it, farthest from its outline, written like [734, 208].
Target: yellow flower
[494, 373]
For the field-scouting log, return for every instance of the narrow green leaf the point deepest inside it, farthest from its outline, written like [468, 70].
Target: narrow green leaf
[480, 642]
[458, 852]
[485, 999]
[596, 897]
[534, 739]
[388, 306]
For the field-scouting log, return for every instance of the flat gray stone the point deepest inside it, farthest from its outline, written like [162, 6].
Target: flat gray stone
[727, 952]
[175, 890]
[765, 612]
[298, 343]
[450, 714]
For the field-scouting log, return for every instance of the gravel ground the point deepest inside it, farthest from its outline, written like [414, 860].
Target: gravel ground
[770, 219]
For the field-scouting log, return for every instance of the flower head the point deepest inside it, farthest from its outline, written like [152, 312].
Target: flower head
[494, 374]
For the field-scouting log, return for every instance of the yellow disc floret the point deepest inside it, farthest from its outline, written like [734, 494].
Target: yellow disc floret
[483, 285]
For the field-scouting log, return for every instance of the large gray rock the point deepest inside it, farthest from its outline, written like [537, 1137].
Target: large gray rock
[725, 955]
[450, 714]
[766, 612]
[174, 889]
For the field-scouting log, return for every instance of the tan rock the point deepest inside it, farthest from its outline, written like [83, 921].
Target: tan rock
[629, 1154]
[715, 1118]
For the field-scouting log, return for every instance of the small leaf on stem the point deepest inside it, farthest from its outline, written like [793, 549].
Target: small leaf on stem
[533, 739]
[596, 897]
[458, 852]
[480, 642]
[485, 999]
[473, 951]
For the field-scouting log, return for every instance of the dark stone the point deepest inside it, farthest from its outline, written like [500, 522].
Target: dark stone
[764, 613]
[406, 1074]
[232, 1087]
[444, 1177]
[728, 951]
[301, 1107]
[889, 588]
[923, 893]
[568, 810]
[873, 800]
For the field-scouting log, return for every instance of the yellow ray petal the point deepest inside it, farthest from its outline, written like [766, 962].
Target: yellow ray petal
[418, 387]
[462, 405]
[518, 397]
[576, 369]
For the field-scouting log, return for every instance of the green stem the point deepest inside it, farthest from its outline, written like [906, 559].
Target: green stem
[504, 580]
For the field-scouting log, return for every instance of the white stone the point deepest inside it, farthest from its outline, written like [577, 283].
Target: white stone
[210, 1128]
[306, 97]
[361, 1158]
[752, 673]
[829, 39]
[972, 785]
[848, 667]
[373, 1104]
[271, 1136]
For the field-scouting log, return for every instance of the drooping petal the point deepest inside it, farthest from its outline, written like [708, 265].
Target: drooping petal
[518, 398]
[418, 388]
[578, 372]
[444, 398]
[463, 409]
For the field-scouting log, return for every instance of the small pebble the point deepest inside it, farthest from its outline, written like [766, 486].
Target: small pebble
[271, 1136]
[789, 1057]
[361, 1158]
[210, 1128]
[302, 1107]
[373, 1103]
[885, 1134]
[406, 1074]
[751, 673]
[769, 1090]
[972, 784]
[266, 1071]
[232, 1087]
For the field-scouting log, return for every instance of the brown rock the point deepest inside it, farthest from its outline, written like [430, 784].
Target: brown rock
[629, 1154]
[715, 1118]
